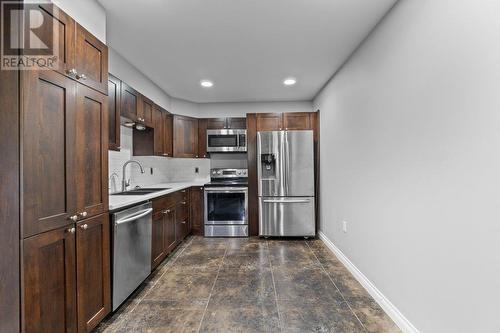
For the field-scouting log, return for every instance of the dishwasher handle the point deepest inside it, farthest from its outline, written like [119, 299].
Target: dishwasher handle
[134, 217]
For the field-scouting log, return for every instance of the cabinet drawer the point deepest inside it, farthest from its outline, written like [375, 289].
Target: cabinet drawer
[162, 203]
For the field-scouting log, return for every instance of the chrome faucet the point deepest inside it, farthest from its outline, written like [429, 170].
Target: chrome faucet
[126, 182]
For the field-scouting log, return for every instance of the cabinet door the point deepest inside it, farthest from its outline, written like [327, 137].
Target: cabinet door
[129, 102]
[185, 136]
[237, 123]
[158, 246]
[181, 221]
[159, 131]
[114, 103]
[196, 210]
[168, 149]
[269, 122]
[91, 152]
[91, 60]
[216, 123]
[169, 225]
[50, 282]
[93, 271]
[146, 107]
[64, 34]
[202, 138]
[297, 121]
[48, 136]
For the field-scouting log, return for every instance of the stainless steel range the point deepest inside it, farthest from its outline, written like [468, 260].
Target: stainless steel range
[226, 203]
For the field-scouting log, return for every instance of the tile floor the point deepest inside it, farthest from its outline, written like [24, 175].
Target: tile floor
[250, 285]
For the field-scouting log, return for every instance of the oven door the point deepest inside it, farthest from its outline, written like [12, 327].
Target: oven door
[226, 205]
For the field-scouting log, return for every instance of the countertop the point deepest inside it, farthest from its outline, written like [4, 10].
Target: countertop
[120, 201]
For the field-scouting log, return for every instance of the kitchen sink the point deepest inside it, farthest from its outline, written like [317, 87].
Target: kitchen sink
[142, 191]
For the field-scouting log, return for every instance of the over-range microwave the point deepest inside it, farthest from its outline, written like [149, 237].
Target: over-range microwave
[227, 140]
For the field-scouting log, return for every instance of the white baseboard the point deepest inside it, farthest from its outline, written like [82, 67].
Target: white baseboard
[404, 324]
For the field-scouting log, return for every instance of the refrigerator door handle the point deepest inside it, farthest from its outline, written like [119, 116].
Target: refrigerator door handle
[286, 200]
[287, 162]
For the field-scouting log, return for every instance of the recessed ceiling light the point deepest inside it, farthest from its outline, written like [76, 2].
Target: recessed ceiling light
[206, 83]
[290, 81]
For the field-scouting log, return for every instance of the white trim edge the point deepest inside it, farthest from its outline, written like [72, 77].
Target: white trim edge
[403, 323]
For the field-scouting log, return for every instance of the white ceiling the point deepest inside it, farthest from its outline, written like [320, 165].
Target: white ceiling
[247, 47]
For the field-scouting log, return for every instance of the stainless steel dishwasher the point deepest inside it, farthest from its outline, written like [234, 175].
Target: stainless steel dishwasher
[131, 250]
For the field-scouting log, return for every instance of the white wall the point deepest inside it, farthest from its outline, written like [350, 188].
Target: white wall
[241, 109]
[88, 13]
[410, 142]
[127, 72]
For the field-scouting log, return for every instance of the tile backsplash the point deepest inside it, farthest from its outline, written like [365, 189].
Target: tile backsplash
[157, 169]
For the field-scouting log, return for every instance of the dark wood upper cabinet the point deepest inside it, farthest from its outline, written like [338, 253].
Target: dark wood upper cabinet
[297, 121]
[48, 154]
[129, 102]
[168, 133]
[66, 34]
[93, 271]
[91, 152]
[202, 138]
[114, 103]
[145, 111]
[269, 121]
[49, 297]
[236, 123]
[226, 123]
[185, 136]
[216, 123]
[196, 210]
[91, 62]
[159, 131]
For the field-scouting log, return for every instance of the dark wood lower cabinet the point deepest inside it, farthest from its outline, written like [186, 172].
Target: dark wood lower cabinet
[67, 277]
[93, 271]
[197, 210]
[49, 298]
[158, 248]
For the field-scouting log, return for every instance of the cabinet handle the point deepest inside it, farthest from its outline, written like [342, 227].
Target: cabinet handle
[166, 211]
[81, 77]
[84, 227]
[183, 222]
[83, 214]
[71, 230]
[196, 156]
[73, 218]
[183, 202]
[71, 72]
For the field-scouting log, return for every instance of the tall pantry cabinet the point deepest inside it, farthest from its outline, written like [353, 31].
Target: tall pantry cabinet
[63, 227]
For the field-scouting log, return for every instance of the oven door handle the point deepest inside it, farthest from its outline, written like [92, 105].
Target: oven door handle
[227, 189]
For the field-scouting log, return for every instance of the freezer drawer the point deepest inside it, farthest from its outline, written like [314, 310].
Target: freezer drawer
[286, 216]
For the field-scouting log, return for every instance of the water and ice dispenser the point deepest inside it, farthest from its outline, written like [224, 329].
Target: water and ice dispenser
[268, 166]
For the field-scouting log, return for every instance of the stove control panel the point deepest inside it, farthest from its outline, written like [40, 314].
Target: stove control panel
[228, 173]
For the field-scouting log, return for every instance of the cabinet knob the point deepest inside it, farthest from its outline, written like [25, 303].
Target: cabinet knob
[84, 226]
[71, 72]
[83, 214]
[183, 202]
[81, 77]
[166, 211]
[73, 218]
[183, 222]
[71, 230]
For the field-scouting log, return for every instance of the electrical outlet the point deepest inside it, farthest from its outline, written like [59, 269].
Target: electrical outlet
[196, 170]
[344, 226]
[151, 170]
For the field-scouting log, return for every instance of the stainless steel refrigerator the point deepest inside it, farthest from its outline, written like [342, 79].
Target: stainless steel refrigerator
[285, 171]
